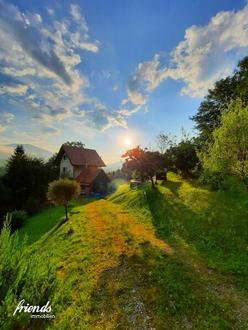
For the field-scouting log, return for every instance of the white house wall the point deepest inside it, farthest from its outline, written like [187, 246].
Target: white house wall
[65, 163]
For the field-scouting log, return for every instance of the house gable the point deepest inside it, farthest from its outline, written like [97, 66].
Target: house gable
[79, 156]
[66, 167]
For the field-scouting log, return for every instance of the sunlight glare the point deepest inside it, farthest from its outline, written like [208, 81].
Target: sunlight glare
[127, 142]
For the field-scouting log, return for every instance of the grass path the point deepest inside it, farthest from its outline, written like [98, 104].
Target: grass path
[118, 237]
[150, 259]
[132, 265]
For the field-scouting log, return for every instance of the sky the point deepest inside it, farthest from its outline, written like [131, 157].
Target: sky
[112, 74]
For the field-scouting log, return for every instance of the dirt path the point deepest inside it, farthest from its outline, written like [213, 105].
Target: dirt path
[118, 237]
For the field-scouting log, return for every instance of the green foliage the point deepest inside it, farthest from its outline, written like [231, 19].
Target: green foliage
[208, 116]
[18, 218]
[100, 184]
[62, 191]
[26, 179]
[228, 153]
[213, 179]
[74, 144]
[5, 199]
[23, 275]
[107, 261]
[144, 162]
[165, 141]
[182, 158]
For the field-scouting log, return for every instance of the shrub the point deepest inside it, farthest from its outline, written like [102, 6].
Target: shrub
[213, 179]
[232, 183]
[34, 205]
[62, 191]
[17, 219]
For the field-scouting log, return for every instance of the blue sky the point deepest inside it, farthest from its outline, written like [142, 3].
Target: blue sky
[103, 71]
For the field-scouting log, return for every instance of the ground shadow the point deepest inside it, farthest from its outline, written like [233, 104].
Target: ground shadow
[154, 290]
[173, 186]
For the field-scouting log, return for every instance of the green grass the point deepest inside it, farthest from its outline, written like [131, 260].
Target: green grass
[173, 257]
[39, 224]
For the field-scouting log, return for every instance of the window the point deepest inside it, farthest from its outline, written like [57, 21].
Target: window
[64, 169]
[64, 157]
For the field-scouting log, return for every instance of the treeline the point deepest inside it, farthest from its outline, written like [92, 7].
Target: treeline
[218, 152]
[23, 186]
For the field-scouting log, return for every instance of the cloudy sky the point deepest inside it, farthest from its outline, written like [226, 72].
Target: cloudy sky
[104, 71]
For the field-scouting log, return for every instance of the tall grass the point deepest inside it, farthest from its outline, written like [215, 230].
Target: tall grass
[23, 275]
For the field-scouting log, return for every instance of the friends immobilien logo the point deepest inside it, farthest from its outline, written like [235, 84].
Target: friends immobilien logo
[35, 311]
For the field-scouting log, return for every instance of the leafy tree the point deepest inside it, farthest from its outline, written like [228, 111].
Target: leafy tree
[183, 157]
[62, 191]
[208, 116]
[228, 153]
[75, 144]
[145, 163]
[52, 168]
[164, 142]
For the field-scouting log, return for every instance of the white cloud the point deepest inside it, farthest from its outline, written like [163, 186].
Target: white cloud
[5, 119]
[41, 59]
[50, 11]
[18, 89]
[206, 54]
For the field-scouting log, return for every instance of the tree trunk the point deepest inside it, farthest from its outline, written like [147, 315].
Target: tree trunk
[153, 185]
[66, 212]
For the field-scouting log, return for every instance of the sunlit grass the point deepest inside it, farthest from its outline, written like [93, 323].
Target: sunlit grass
[173, 257]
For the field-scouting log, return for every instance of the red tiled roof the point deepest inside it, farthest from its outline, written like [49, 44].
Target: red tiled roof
[88, 175]
[81, 156]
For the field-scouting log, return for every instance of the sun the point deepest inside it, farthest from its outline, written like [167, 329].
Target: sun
[127, 142]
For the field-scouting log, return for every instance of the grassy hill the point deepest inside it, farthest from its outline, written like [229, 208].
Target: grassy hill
[173, 257]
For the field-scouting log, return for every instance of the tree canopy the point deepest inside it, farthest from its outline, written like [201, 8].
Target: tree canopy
[144, 162]
[62, 191]
[208, 116]
[75, 144]
[228, 153]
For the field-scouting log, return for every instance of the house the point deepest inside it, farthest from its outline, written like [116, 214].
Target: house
[85, 166]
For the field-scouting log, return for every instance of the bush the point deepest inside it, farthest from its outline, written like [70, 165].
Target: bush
[34, 205]
[62, 191]
[17, 219]
[232, 183]
[213, 179]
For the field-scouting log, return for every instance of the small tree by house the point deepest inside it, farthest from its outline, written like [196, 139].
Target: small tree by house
[62, 191]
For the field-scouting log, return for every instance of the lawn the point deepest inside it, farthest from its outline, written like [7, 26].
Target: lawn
[173, 257]
[40, 223]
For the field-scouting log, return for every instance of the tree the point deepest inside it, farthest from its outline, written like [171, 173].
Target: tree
[164, 142]
[52, 168]
[228, 153]
[208, 116]
[16, 176]
[62, 191]
[145, 163]
[183, 157]
[27, 179]
[74, 144]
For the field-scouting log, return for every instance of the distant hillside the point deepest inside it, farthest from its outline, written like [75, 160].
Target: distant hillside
[6, 151]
